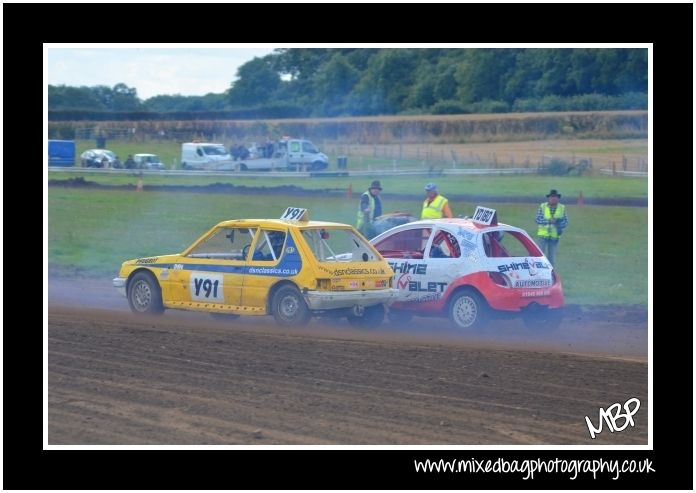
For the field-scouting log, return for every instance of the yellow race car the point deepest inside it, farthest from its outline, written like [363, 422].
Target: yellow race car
[290, 268]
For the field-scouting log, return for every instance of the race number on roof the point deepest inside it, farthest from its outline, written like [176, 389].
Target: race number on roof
[484, 215]
[295, 214]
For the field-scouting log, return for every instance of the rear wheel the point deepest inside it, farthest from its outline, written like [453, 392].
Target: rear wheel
[144, 294]
[289, 307]
[371, 318]
[317, 166]
[468, 310]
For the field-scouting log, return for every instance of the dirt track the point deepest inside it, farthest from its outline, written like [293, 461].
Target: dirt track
[185, 379]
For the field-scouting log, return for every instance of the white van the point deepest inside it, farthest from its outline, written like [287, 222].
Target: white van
[203, 155]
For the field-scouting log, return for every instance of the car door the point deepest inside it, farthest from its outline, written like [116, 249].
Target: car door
[404, 251]
[214, 269]
[443, 259]
[264, 266]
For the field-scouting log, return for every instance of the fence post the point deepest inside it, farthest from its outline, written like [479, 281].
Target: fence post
[624, 162]
[613, 168]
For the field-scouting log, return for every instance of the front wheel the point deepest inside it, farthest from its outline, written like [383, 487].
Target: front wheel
[289, 307]
[145, 295]
[371, 318]
[468, 310]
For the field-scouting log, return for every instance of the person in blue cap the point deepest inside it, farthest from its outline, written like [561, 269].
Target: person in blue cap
[435, 206]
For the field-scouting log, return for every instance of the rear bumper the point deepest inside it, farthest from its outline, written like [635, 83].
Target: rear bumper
[120, 285]
[331, 300]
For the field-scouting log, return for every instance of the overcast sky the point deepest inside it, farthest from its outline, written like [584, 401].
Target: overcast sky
[152, 71]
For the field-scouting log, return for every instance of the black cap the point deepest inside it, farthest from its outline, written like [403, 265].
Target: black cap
[376, 184]
[553, 193]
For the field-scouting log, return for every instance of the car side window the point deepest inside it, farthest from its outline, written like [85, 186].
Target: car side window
[408, 243]
[444, 245]
[225, 244]
[269, 246]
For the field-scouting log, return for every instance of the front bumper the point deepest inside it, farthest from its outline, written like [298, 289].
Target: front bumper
[331, 300]
[120, 285]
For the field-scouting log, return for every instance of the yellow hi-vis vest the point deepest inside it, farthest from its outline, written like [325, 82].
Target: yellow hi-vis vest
[371, 214]
[434, 209]
[549, 230]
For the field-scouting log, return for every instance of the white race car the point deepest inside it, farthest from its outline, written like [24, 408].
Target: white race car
[470, 270]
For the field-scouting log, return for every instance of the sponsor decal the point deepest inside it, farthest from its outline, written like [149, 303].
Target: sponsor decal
[290, 249]
[424, 299]
[164, 274]
[406, 268]
[149, 260]
[356, 272]
[273, 271]
[178, 267]
[402, 281]
[427, 287]
[532, 283]
[353, 284]
[381, 284]
[534, 294]
[526, 265]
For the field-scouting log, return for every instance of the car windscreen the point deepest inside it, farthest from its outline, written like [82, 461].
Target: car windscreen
[338, 245]
[215, 150]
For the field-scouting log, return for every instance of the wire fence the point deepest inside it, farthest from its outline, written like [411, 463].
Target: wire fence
[396, 157]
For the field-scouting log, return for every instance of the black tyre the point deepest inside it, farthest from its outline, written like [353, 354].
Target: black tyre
[289, 307]
[225, 317]
[317, 166]
[243, 167]
[371, 318]
[145, 295]
[400, 317]
[543, 319]
[468, 310]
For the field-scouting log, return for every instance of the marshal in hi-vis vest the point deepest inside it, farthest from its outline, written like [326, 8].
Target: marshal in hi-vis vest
[434, 209]
[371, 214]
[550, 230]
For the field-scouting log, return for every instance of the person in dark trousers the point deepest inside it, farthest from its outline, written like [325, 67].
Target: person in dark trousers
[552, 220]
[370, 208]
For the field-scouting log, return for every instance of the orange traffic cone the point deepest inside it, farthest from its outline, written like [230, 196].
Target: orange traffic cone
[581, 199]
[139, 186]
[349, 194]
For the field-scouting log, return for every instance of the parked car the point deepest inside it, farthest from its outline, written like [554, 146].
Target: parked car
[148, 161]
[99, 158]
[470, 271]
[291, 268]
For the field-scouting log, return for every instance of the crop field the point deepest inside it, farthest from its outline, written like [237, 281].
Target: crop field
[602, 259]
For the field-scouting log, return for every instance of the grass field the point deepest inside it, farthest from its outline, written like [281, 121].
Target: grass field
[518, 186]
[603, 256]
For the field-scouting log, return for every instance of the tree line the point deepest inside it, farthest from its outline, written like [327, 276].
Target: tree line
[383, 81]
